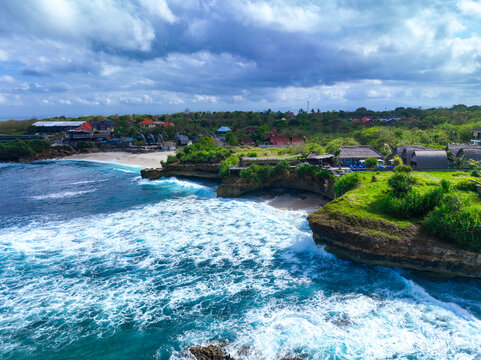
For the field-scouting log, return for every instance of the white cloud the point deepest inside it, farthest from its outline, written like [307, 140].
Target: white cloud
[470, 7]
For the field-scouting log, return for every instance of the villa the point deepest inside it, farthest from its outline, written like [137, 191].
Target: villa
[429, 159]
[353, 155]
[476, 137]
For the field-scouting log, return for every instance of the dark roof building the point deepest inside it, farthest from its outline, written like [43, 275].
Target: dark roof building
[354, 154]
[429, 159]
[398, 150]
[57, 126]
[470, 153]
[102, 125]
[454, 149]
[408, 152]
[182, 139]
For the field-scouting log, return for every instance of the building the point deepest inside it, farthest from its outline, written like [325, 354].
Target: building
[56, 126]
[398, 150]
[429, 159]
[168, 145]
[476, 137]
[470, 153]
[182, 140]
[297, 140]
[83, 133]
[223, 129]
[319, 160]
[352, 155]
[147, 124]
[408, 152]
[102, 125]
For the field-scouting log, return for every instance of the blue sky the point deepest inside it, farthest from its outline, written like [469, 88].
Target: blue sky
[66, 57]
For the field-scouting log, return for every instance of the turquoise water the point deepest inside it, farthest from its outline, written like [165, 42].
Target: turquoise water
[96, 263]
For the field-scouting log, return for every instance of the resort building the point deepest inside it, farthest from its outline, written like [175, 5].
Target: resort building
[319, 160]
[223, 129]
[429, 159]
[147, 124]
[355, 155]
[182, 140]
[476, 137]
[84, 132]
[409, 150]
[470, 153]
[56, 126]
[168, 145]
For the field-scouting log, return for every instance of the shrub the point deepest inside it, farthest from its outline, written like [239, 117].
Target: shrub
[401, 183]
[205, 150]
[346, 183]
[403, 168]
[171, 159]
[453, 222]
[305, 169]
[252, 154]
[371, 163]
[281, 168]
[466, 185]
[226, 164]
[257, 174]
[14, 150]
[412, 204]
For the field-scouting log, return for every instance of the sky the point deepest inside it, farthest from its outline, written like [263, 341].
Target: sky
[75, 57]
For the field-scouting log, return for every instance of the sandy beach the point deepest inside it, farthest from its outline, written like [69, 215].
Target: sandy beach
[145, 160]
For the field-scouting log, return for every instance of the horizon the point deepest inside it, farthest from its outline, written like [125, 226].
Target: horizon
[164, 56]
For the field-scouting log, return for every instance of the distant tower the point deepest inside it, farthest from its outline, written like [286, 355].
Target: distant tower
[308, 106]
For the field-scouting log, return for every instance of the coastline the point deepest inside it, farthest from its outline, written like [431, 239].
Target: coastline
[142, 160]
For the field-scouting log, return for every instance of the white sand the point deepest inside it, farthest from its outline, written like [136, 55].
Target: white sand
[308, 202]
[145, 160]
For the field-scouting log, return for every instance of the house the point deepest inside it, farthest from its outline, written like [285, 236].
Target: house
[429, 159]
[223, 129]
[149, 139]
[290, 116]
[352, 155]
[470, 153]
[476, 137]
[159, 139]
[319, 160]
[297, 140]
[355, 120]
[147, 124]
[168, 145]
[247, 141]
[408, 151]
[83, 132]
[454, 149]
[102, 125]
[182, 140]
[366, 119]
[56, 126]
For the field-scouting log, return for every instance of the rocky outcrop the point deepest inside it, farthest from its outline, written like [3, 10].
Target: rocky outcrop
[233, 186]
[384, 243]
[51, 153]
[205, 171]
[210, 352]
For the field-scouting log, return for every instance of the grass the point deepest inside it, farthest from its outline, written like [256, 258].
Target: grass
[363, 201]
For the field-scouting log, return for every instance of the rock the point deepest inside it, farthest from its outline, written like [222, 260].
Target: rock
[205, 171]
[383, 243]
[210, 352]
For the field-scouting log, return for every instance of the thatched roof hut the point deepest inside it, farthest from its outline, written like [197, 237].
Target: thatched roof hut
[470, 153]
[429, 159]
[454, 149]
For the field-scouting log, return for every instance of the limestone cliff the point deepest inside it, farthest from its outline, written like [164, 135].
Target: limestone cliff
[206, 171]
[380, 242]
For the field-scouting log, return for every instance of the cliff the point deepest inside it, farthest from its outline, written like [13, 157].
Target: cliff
[377, 241]
[232, 186]
[201, 170]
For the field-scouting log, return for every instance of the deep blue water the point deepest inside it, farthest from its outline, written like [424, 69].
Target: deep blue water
[96, 263]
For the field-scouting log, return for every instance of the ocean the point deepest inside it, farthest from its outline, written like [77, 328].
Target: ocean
[97, 263]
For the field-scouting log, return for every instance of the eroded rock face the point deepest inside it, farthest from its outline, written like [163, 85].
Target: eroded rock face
[379, 242]
[233, 186]
[51, 153]
[206, 171]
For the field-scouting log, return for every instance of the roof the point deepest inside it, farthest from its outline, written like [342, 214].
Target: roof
[398, 150]
[471, 153]
[146, 122]
[315, 156]
[359, 152]
[477, 130]
[58, 123]
[223, 129]
[454, 149]
[85, 126]
[430, 159]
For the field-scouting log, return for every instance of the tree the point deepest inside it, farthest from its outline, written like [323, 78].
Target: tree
[371, 163]
[397, 161]
[231, 139]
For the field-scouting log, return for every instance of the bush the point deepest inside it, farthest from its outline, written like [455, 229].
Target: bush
[281, 168]
[346, 183]
[226, 164]
[305, 169]
[257, 174]
[205, 150]
[401, 183]
[412, 204]
[252, 154]
[450, 221]
[466, 185]
[171, 159]
[14, 150]
[403, 168]
[371, 163]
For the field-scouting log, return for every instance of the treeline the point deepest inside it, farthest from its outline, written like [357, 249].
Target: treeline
[15, 150]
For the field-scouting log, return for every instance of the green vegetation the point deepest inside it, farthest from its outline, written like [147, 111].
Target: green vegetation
[346, 183]
[204, 151]
[305, 169]
[14, 150]
[226, 164]
[445, 204]
[261, 174]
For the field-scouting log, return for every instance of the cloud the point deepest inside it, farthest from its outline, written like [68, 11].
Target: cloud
[161, 55]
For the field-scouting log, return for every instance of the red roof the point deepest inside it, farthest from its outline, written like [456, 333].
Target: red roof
[146, 122]
[355, 119]
[297, 140]
[168, 124]
[247, 141]
[85, 126]
[279, 140]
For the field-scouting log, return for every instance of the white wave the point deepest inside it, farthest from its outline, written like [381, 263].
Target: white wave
[126, 171]
[61, 195]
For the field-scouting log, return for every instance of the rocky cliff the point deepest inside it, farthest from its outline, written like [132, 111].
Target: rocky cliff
[233, 186]
[205, 171]
[380, 242]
